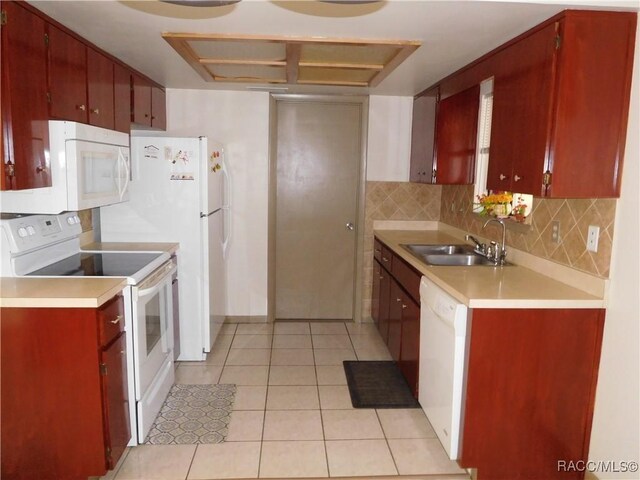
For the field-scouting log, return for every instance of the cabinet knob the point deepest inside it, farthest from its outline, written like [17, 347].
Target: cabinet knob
[152, 117]
[503, 177]
[117, 319]
[398, 300]
[81, 107]
[381, 277]
[517, 178]
[385, 259]
[146, 115]
[40, 169]
[404, 306]
[95, 110]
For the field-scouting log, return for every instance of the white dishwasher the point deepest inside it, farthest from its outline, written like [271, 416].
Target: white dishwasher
[443, 357]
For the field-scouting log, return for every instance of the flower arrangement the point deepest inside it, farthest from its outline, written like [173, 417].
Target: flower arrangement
[496, 204]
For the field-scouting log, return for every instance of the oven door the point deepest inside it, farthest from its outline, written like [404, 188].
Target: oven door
[152, 326]
[97, 174]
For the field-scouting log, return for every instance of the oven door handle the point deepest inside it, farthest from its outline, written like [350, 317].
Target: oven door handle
[157, 280]
[123, 161]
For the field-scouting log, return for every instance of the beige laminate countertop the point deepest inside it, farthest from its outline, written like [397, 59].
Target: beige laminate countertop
[169, 248]
[58, 292]
[485, 286]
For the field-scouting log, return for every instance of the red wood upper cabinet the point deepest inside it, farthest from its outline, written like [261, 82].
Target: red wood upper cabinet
[521, 113]
[67, 77]
[100, 87]
[560, 108]
[25, 132]
[158, 109]
[122, 98]
[141, 101]
[423, 130]
[457, 130]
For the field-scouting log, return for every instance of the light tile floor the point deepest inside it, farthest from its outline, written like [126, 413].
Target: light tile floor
[292, 416]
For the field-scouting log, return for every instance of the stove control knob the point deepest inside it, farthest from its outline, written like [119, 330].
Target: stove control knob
[31, 230]
[77, 219]
[71, 220]
[22, 232]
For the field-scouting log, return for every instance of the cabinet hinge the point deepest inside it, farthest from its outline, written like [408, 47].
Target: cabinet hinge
[434, 173]
[46, 39]
[546, 178]
[10, 170]
[3, 18]
[107, 451]
[558, 41]
[103, 369]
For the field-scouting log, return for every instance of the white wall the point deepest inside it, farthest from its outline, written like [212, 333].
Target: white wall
[615, 435]
[389, 138]
[241, 121]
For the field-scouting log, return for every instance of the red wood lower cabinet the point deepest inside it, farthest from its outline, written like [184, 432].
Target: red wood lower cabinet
[384, 304]
[530, 391]
[394, 340]
[64, 415]
[410, 351]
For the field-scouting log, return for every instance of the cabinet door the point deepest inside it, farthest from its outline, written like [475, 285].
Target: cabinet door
[115, 400]
[385, 301]
[25, 132]
[122, 98]
[375, 292]
[423, 128]
[67, 77]
[410, 352]
[158, 108]
[100, 89]
[457, 132]
[141, 102]
[522, 102]
[394, 340]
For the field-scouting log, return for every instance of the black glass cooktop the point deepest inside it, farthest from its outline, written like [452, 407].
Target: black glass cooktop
[98, 264]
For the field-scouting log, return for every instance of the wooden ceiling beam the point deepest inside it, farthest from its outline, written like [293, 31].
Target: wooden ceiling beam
[231, 61]
[294, 51]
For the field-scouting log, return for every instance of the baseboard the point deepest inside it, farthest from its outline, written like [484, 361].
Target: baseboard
[245, 319]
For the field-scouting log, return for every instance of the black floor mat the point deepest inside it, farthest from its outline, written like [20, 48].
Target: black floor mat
[378, 384]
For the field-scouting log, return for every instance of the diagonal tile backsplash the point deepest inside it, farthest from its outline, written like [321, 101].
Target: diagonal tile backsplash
[394, 201]
[574, 215]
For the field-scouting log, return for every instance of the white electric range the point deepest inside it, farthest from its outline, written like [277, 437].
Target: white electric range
[49, 246]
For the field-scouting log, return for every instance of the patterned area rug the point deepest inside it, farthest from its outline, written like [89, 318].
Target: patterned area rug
[193, 414]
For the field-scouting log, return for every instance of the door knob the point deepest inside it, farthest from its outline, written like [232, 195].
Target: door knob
[349, 226]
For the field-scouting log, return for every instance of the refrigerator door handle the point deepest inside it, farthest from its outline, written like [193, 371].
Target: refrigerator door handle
[227, 189]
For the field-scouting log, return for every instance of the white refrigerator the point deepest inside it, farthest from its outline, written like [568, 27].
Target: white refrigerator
[177, 194]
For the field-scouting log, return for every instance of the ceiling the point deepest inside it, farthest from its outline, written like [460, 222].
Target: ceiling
[452, 33]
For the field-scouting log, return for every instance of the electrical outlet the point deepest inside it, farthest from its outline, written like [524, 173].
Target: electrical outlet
[592, 238]
[555, 231]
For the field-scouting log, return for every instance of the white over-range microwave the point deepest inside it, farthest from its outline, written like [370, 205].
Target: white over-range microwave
[90, 167]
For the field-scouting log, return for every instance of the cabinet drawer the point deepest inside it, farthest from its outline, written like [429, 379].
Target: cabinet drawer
[386, 256]
[111, 320]
[377, 250]
[407, 277]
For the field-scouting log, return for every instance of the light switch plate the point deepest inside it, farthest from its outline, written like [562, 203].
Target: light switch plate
[592, 238]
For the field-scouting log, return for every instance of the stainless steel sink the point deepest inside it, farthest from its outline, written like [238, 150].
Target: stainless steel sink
[450, 255]
[420, 250]
[457, 259]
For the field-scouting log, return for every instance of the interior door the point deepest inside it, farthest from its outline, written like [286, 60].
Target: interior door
[318, 169]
